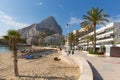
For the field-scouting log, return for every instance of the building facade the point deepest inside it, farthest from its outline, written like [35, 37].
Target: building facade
[108, 35]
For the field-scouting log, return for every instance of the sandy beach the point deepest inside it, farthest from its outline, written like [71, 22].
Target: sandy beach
[43, 68]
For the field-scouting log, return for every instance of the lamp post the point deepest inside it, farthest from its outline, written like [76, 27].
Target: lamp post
[67, 26]
[67, 42]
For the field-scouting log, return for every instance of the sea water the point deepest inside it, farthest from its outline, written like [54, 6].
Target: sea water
[4, 49]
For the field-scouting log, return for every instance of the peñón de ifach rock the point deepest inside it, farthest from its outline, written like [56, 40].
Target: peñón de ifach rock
[47, 26]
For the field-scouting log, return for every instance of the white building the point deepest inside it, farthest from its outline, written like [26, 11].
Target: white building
[107, 36]
[75, 31]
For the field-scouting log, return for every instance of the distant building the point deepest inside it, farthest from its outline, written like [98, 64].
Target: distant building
[55, 39]
[75, 31]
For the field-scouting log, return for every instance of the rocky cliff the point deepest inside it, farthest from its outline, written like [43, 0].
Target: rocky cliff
[47, 26]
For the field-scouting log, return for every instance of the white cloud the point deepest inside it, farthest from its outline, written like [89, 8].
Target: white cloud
[1, 34]
[74, 20]
[39, 3]
[115, 18]
[8, 20]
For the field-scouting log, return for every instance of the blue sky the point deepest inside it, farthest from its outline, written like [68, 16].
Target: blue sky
[16, 14]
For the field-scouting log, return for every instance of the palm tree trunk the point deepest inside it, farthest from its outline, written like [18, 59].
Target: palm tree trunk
[94, 42]
[87, 45]
[15, 62]
[15, 56]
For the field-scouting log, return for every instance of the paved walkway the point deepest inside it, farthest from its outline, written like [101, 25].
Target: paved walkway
[104, 68]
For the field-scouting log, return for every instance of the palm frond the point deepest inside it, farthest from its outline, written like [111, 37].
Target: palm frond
[104, 20]
[6, 38]
[85, 17]
[100, 11]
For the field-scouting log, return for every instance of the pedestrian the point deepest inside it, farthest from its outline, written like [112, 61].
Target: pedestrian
[69, 51]
[72, 50]
[60, 48]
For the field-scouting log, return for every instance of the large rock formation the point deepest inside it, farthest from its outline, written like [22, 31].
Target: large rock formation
[48, 27]
[35, 32]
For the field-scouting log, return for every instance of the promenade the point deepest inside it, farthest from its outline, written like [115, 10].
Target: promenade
[104, 68]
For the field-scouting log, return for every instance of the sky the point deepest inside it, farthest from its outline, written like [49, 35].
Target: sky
[17, 14]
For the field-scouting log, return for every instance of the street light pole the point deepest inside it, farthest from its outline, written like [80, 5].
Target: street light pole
[67, 42]
[68, 25]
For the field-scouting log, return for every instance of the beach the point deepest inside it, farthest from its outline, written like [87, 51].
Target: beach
[43, 68]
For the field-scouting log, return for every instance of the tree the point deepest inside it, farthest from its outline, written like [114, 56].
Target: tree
[13, 37]
[87, 39]
[94, 17]
[91, 38]
[71, 38]
[76, 34]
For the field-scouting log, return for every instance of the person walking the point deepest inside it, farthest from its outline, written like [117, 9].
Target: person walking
[73, 50]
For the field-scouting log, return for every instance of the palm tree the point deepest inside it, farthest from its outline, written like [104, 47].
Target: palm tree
[87, 39]
[71, 38]
[94, 17]
[13, 37]
[91, 38]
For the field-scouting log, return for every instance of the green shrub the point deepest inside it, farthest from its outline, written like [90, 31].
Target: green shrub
[92, 52]
[53, 46]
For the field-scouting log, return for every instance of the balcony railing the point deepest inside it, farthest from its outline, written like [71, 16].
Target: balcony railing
[105, 31]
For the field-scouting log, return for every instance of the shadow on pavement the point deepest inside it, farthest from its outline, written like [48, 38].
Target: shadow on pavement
[96, 74]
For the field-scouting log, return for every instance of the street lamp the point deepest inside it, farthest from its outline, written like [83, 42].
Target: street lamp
[67, 41]
[67, 26]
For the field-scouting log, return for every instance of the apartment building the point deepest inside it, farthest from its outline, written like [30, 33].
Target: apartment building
[107, 36]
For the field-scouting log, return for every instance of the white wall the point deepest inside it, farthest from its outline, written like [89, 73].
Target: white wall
[107, 52]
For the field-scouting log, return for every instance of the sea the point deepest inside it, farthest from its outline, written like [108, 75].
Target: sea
[5, 49]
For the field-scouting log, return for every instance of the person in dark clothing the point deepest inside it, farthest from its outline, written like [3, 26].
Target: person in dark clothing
[72, 51]
[69, 51]
[60, 48]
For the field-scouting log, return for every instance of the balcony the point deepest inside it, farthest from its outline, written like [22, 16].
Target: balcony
[105, 35]
[105, 40]
[105, 30]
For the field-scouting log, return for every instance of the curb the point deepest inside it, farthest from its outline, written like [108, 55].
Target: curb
[85, 70]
